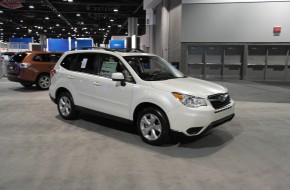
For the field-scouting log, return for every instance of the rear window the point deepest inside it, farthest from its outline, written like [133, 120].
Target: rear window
[18, 58]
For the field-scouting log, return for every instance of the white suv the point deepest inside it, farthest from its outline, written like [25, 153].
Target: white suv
[141, 88]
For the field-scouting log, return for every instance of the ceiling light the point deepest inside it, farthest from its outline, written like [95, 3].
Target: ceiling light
[112, 20]
[109, 26]
[1, 22]
[21, 20]
[63, 29]
[46, 18]
[31, 6]
[17, 28]
[1, 11]
[57, 25]
[70, 0]
[78, 14]
[115, 10]
[119, 26]
[58, 15]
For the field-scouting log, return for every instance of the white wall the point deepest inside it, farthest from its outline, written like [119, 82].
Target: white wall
[149, 4]
[235, 22]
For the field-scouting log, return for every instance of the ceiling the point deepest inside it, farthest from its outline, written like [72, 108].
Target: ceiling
[98, 19]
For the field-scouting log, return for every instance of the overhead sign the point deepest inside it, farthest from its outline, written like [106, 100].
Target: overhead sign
[117, 44]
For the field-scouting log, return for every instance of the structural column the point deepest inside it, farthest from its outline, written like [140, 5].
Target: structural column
[133, 32]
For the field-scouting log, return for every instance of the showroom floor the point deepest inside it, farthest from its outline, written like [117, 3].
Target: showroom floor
[39, 150]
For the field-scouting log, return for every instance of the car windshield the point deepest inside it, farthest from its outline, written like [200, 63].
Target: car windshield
[153, 68]
[18, 58]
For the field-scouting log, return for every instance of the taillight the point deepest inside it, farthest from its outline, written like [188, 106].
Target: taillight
[52, 73]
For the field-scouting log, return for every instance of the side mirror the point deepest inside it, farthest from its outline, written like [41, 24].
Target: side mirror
[119, 77]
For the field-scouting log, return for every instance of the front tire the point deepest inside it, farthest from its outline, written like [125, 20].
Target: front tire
[66, 107]
[153, 126]
[43, 81]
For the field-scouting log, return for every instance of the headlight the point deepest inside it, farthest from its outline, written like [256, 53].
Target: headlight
[189, 101]
[24, 65]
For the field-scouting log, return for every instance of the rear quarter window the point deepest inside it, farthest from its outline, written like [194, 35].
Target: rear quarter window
[67, 61]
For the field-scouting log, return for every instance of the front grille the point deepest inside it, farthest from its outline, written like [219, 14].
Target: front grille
[219, 100]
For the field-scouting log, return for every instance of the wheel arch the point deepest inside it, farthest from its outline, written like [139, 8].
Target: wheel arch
[144, 105]
[42, 73]
[60, 90]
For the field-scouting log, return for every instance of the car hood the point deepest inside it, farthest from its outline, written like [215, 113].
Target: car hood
[190, 86]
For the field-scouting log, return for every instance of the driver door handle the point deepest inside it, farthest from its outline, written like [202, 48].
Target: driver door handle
[70, 77]
[96, 84]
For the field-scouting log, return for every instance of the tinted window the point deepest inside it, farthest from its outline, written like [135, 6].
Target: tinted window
[18, 58]
[85, 62]
[151, 68]
[110, 64]
[39, 58]
[53, 57]
[67, 61]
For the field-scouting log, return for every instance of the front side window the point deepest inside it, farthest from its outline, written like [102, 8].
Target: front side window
[152, 68]
[110, 64]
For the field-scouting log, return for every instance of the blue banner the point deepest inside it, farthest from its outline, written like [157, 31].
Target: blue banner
[117, 44]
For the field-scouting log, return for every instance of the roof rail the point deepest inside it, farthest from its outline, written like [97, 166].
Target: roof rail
[86, 48]
[128, 50]
[117, 49]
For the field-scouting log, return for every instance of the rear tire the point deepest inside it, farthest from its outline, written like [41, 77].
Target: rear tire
[43, 81]
[66, 107]
[153, 126]
[27, 85]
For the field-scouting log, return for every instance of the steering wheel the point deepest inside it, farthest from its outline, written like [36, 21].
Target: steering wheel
[154, 74]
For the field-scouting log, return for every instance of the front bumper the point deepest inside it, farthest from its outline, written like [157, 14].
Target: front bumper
[195, 121]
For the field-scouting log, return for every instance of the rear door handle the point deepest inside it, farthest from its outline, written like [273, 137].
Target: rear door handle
[70, 77]
[96, 84]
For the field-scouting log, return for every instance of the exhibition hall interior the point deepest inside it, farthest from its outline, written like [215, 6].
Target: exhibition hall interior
[144, 94]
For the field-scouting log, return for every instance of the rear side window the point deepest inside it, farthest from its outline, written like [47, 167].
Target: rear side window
[81, 62]
[53, 57]
[39, 58]
[18, 58]
[85, 62]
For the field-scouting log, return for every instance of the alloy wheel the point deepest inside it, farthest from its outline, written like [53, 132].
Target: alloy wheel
[44, 82]
[150, 127]
[64, 106]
